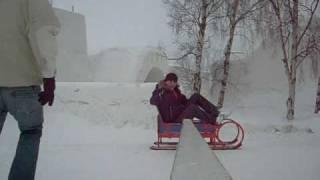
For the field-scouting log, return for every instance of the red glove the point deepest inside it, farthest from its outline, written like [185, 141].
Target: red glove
[47, 95]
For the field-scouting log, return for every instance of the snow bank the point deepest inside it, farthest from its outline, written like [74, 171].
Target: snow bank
[116, 104]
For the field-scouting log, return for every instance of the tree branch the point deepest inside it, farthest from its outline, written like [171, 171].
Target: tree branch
[309, 21]
[183, 56]
[249, 10]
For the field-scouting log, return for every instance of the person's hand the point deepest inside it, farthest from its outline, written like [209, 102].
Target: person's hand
[47, 95]
[161, 84]
[165, 86]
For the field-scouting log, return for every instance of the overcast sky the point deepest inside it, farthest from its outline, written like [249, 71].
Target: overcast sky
[122, 23]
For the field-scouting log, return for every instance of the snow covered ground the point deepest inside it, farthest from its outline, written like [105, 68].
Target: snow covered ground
[98, 131]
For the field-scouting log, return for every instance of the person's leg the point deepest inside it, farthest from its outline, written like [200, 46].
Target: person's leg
[24, 106]
[193, 111]
[206, 105]
[3, 111]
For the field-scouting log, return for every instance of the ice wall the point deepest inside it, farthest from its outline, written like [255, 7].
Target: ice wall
[129, 65]
[72, 61]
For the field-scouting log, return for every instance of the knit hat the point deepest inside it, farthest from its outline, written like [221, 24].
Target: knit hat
[171, 77]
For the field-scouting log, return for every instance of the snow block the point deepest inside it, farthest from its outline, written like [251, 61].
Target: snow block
[194, 160]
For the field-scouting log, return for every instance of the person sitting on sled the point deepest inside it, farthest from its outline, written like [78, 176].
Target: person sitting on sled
[173, 106]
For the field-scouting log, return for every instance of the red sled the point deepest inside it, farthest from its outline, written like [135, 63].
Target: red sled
[227, 134]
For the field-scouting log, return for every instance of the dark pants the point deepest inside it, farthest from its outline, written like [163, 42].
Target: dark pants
[199, 107]
[22, 103]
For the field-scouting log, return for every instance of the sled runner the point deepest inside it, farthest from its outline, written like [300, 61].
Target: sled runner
[226, 134]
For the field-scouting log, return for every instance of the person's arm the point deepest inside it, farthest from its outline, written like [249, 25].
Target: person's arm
[44, 46]
[156, 94]
[43, 27]
[184, 100]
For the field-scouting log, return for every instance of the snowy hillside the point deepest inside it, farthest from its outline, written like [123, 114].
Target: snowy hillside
[98, 131]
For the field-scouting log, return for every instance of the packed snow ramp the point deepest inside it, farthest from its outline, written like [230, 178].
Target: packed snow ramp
[194, 159]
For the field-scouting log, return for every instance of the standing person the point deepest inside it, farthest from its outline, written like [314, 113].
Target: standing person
[27, 60]
[174, 106]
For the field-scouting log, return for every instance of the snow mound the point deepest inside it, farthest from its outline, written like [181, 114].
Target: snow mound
[127, 105]
[116, 104]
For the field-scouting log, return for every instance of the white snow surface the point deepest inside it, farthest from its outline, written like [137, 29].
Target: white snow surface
[98, 131]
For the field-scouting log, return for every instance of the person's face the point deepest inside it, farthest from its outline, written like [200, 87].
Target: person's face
[171, 84]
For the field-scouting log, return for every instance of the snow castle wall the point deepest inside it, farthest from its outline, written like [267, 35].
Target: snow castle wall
[129, 65]
[72, 60]
[135, 65]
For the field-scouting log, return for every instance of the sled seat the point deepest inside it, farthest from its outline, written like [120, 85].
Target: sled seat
[172, 130]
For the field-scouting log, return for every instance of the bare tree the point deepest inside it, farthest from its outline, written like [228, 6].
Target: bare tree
[316, 67]
[315, 59]
[297, 42]
[317, 106]
[236, 11]
[190, 19]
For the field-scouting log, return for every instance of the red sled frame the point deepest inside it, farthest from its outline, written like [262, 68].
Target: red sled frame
[211, 133]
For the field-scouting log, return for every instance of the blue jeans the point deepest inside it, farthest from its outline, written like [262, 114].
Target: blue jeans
[22, 103]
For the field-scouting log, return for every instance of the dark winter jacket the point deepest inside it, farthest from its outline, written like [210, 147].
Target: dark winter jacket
[169, 103]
